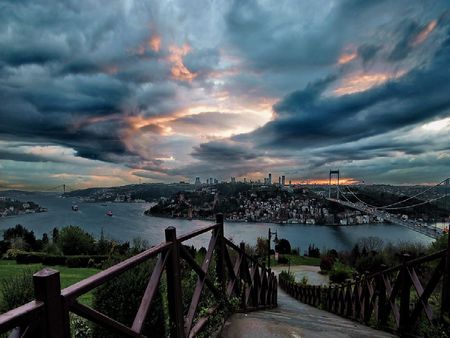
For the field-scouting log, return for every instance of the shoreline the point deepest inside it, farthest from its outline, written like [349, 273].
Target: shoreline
[251, 222]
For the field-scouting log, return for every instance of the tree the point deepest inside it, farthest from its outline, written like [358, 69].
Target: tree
[20, 233]
[283, 246]
[75, 241]
[44, 238]
[261, 247]
[55, 235]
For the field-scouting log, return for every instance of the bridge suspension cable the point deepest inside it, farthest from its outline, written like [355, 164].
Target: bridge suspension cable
[389, 206]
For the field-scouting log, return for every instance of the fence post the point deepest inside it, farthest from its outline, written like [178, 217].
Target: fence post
[405, 295]
[174, 294]
[220, 251]
[445, 304]
[47, 289]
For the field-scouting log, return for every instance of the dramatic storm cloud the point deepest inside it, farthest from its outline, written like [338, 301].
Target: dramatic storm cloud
[110, 92]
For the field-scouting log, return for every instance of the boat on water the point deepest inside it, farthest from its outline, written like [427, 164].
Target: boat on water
[109, 213]
[75, 207]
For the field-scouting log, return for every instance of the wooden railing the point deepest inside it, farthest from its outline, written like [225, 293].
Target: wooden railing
[238, 275]
[394, 299]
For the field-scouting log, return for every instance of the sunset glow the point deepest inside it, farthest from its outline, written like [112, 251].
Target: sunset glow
[179, 70]
[423, 35]
[363, 81]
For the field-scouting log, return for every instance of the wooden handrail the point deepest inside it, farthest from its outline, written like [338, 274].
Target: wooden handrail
[55, 304]
[20, 315]
[376, 296]
[93, 281]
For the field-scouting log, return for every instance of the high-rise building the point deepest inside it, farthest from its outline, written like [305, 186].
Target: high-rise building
[210, 180]
[197, 181]
[283, 180]
[233, 179]
[270, 179]
[245, 179]
[216, 181]
[279, 180]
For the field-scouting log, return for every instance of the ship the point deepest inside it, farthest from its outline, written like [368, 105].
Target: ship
[75, 207]
[109, 213]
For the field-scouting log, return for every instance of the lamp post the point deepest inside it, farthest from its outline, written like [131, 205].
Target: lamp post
[268, 245]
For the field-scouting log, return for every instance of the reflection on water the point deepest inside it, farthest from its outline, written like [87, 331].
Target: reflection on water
[128, 221]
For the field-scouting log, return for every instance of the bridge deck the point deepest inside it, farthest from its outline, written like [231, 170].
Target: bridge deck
[424, 229]
[294, 319]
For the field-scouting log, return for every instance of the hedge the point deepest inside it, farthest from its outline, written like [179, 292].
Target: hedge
[23, 257]
[85, 261]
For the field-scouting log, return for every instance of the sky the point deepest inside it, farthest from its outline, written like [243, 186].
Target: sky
[108, 92]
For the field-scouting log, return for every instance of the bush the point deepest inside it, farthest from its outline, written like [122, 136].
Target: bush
[84, 261]
[326, 263]
[340, 273]
[29, 257]
[287, 276]
[75, 241]
[283, 246]
[54, 260]
[17, 290]
[283, 260]
[120, 298]
[370, 264]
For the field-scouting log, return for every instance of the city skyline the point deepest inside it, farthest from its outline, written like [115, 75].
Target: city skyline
[101, 93]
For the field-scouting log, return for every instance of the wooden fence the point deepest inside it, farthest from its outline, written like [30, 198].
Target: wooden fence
[238, 275]
[394, 299]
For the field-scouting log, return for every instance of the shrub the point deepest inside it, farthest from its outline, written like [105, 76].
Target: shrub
[371, 263]
[283, 260]
[121, 297]
[29, 257]
[84, 261]
[326, 263]
[73, 240]
[54, 260]
[340, 273]
[283, 246]
[287, 276]
[17, 290]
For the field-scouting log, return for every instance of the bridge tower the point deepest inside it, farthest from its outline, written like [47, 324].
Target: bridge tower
[333, 172]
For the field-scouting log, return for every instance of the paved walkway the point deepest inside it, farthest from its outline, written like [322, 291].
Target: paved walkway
[297, 320]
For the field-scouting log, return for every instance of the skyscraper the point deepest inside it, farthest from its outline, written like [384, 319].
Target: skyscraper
[270, 179]
[283, 180]
[197, 181]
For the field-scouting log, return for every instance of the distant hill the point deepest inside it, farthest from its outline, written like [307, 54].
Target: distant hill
[147, 192]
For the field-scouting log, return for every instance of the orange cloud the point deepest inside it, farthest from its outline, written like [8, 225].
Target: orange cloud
[179, 70]
[363, 81]
[155, 43]
[423, 35]
[346, 58]
[325, 181]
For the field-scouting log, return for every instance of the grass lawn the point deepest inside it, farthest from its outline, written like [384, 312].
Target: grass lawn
[296, 260]
[69, 276]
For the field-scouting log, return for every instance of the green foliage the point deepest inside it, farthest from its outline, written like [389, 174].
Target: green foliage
[287, 276]
[75, 241]
[120, 299]
[29, 257]
[340, 273]
[304, 281]
[370, 263]
[439, 244]
[326, 263]
[84, 261]
[79, 327]
[261, 247]
[283, 246]
[25, 237]
[17, 290]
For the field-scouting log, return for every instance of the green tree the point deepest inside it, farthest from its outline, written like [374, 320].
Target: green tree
[75, 241]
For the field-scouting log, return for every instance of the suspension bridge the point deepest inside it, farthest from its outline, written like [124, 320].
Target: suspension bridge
[383, 212]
